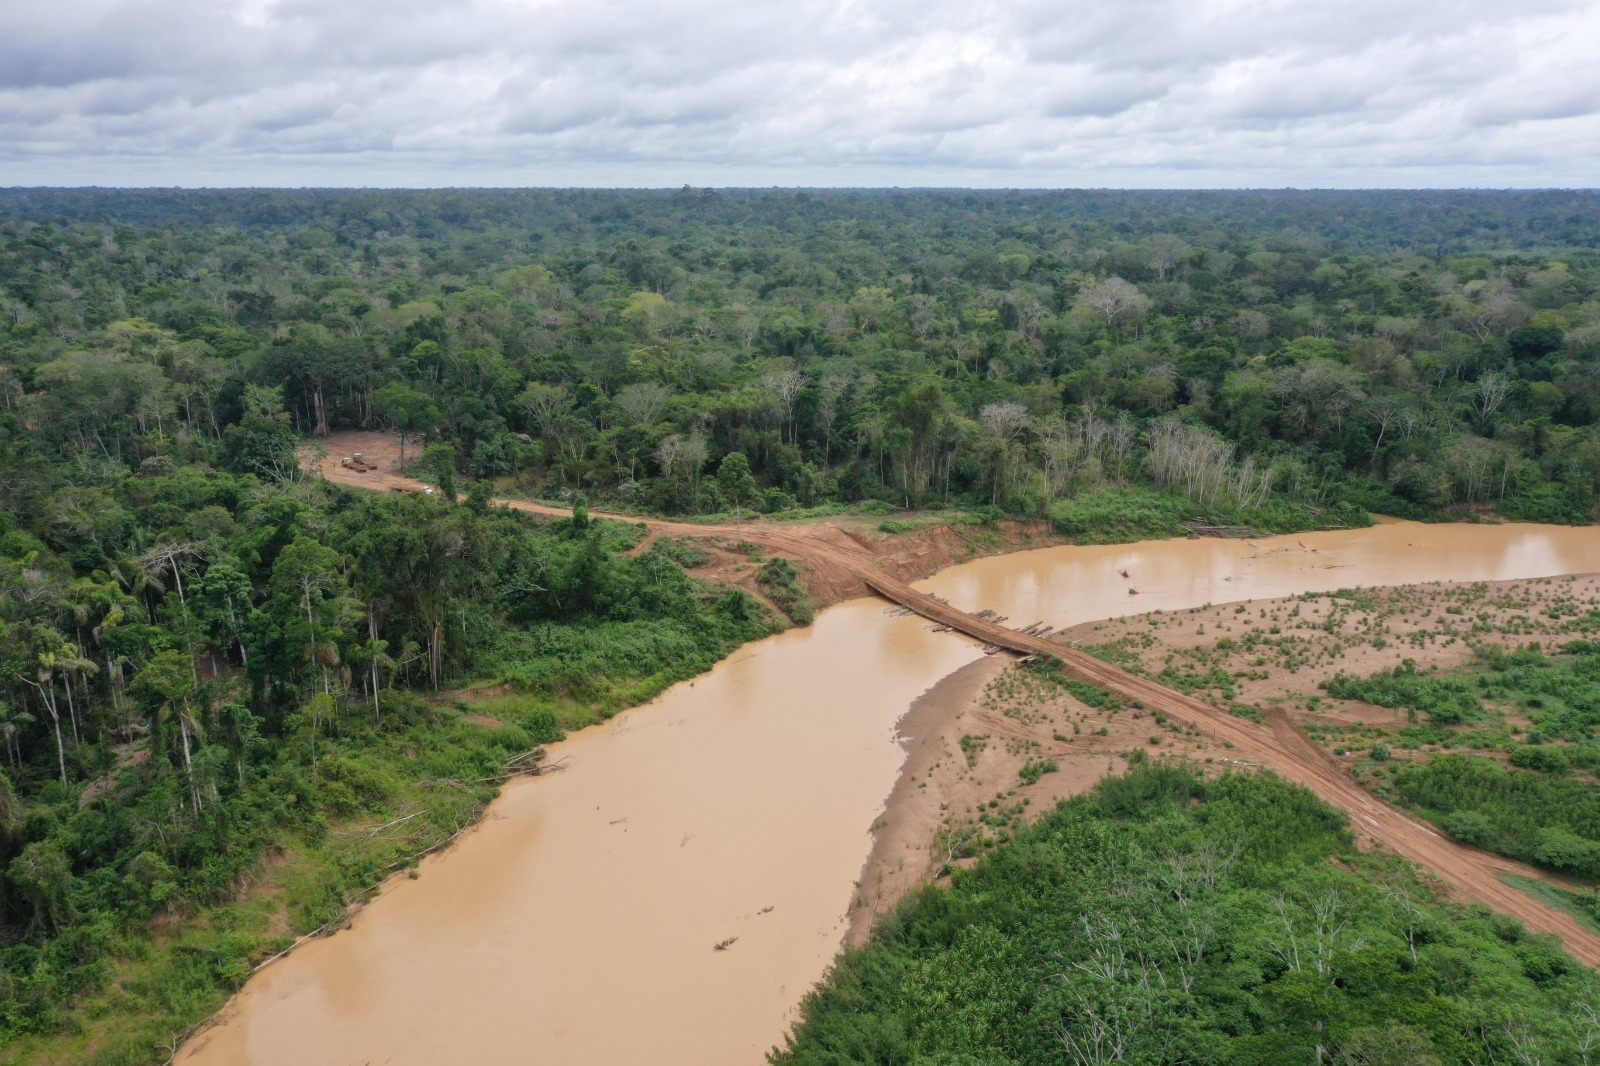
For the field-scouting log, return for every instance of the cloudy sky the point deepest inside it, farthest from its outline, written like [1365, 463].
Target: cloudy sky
[1158, 93]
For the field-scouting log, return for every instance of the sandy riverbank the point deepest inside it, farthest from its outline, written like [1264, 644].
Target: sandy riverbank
[1008, 717]
[1302, 641]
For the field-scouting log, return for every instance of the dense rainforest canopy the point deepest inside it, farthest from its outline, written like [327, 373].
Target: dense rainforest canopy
[1164, 918]
[1409, 351]
[205, 654]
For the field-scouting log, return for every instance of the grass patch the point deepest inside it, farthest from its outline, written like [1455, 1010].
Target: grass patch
[1446, 701]
[1583, 906]
[1111, 515]
[1031, 772]
[934, 519]
[781, 582]
[1093, 695]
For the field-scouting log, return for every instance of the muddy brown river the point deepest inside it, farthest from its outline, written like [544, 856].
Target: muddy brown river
[576, 925]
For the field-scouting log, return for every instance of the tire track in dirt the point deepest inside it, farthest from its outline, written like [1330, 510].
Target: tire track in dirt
[845, 565]
[1282, 747]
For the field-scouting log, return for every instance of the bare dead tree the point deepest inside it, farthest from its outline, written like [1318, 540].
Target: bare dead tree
[1120, 439]
[786, 386]
[1524, 1042]
[1114, 298]
[1113, 994]
[545, 404]
[961, 344]
[668, 452]
[746, 328]
[156, 560]
[693, 453]
[921, 311]
[1005, 420]
[1190, 457]
[1410, 911]
[1387, 413]
[830, 393]
[1252, 486]
[1491, 393]
[1059, 452]
[1317, 392]
[1029, 312]
[1165, 251]
[1486, 312]
[1251, 326]
[1317, 930]
[641, 402]
[1583, 1020]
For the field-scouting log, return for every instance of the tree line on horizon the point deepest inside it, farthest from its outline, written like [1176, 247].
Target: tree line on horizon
[206, 655]
[919, 349]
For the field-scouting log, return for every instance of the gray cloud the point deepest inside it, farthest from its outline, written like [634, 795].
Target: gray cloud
[1014, 92]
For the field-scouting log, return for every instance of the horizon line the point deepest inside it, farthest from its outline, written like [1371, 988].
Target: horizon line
[9, 189]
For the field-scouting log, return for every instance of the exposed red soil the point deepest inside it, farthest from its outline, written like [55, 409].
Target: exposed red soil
[844, 563]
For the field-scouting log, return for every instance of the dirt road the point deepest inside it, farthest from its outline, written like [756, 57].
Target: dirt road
[843, 563]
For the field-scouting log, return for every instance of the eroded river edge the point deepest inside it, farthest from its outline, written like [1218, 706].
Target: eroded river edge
[576, 925]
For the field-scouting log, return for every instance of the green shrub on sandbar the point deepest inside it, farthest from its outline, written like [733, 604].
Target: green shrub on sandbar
[1224, 920]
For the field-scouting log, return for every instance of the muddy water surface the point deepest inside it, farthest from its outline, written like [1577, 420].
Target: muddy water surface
[1066, 586]
[576, 925]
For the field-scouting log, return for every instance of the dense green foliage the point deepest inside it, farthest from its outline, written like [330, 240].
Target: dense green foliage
[1091, 695]
[1552, 820]
[1446, 701]
[1540, 804]
[82, 969]
[1273, 360]
[780, 580]
[206, 658]
[1165, 918]
[1561, 697]
[202, 664]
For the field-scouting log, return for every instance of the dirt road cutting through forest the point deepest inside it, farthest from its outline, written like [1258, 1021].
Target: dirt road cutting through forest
[844, 565]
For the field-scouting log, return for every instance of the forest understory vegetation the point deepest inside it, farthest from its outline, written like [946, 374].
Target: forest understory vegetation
[228, 689]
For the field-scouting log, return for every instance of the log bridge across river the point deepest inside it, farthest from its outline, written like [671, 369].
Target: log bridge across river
[1280, 746]
[1277, 745]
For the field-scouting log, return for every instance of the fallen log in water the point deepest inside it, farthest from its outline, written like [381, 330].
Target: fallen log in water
[1206, 529]
[528, 764]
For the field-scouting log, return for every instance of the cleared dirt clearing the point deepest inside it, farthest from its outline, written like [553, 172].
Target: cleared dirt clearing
[842, 564]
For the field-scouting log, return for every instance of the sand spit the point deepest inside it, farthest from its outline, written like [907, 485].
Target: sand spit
[941, 791]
